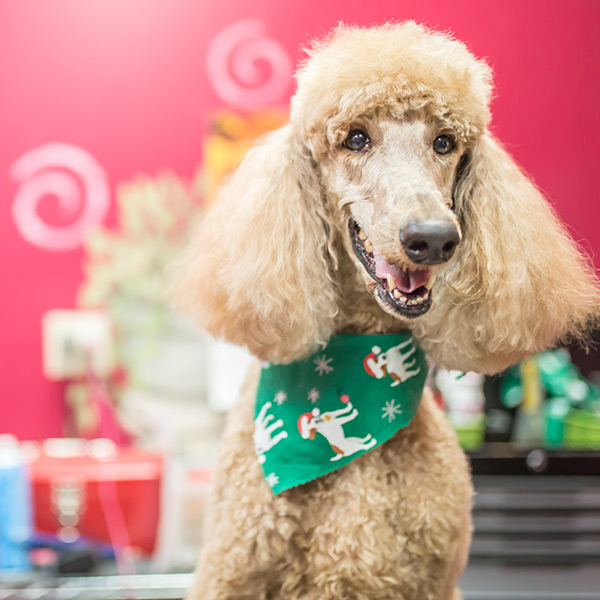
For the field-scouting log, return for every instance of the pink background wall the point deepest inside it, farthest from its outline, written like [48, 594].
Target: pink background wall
[127, 82]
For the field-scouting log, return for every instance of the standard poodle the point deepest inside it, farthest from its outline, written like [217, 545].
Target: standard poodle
[384, 206]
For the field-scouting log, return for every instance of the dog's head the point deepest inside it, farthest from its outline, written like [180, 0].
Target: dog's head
[387, 198]
[400, 108]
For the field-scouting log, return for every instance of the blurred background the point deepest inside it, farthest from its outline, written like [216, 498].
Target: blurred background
[118, 119]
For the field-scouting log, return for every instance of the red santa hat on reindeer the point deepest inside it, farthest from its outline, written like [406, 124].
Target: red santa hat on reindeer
[304, 422]
[370, 363]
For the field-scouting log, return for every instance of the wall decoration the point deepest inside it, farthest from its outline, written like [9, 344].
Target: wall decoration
[232, 62]
[75, 178]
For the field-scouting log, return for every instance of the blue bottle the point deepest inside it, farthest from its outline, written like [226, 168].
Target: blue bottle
[15, 507]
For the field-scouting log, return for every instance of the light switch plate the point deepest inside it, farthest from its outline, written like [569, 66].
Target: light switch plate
[76, 341]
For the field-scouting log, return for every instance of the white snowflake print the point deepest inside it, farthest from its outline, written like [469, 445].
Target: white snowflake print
[280, 397]
[391, 410]
[314, 395]
[323, 364]
[272, 479]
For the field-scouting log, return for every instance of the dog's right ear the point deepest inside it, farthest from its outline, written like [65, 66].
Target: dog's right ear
[259, 269]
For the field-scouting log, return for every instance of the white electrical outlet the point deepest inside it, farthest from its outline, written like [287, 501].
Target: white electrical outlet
[75, 342]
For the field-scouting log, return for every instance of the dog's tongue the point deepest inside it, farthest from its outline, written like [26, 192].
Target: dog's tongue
[406, 280]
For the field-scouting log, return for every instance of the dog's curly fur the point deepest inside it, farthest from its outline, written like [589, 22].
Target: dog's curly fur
[272, 268]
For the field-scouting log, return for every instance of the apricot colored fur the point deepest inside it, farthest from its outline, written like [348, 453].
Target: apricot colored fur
[272, 268]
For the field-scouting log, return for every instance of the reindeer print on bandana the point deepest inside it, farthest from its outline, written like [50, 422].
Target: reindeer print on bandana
[305, 425]
[398, 362]
[330, 426]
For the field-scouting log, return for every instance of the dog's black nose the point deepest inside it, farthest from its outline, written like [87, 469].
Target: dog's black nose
[429, 242]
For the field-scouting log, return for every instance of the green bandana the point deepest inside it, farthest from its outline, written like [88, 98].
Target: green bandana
[316, 415]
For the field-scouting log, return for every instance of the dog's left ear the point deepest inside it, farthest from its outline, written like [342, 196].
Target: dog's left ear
[518, 283]
[259, 270]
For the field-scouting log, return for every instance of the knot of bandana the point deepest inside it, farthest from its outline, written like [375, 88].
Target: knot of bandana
[318, 414]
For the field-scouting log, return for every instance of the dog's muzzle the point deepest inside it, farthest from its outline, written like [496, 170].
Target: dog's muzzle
[405, 292]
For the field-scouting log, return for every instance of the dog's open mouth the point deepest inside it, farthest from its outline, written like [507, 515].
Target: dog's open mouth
[406, 291]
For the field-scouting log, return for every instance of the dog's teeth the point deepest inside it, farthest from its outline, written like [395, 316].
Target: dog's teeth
[403, 299]
[396, 294]
[391, 282]
[429, 284]
[368, 245]
[362, 235]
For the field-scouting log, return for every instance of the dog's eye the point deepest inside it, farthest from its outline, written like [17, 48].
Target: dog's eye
[357, 140]
[443, 144]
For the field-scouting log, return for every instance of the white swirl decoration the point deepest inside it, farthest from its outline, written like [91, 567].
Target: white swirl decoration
[72, 176]
[233, 63]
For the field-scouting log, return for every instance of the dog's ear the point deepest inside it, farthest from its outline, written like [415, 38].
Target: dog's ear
[259, 270]
[518, 284]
